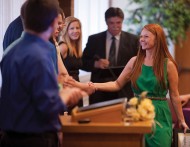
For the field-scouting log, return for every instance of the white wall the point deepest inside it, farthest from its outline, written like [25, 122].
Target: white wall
[91, 15]
[9, 10]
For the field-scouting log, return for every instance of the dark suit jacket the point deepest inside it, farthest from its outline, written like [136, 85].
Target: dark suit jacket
[96, 47]
[13, 32]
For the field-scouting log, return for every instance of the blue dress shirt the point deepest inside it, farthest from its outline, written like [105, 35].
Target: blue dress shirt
[30, 100]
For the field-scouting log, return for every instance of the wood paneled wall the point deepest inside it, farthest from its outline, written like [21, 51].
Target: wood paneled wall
[67, 6]
[182, 57]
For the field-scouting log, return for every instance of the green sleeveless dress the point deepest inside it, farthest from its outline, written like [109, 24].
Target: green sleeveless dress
[162, 135]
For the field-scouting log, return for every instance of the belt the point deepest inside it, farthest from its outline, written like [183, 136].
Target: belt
[154, 98]
[158, 98]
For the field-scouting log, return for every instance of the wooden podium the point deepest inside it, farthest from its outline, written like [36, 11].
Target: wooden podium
[108, 111]
[106, 128]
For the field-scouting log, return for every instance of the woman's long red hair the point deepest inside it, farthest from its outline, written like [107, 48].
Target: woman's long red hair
[160, 55]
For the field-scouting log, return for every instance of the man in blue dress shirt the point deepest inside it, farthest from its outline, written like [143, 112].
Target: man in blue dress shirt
[31, 101]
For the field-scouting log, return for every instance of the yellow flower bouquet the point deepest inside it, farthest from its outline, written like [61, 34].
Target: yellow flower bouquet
[139, 109]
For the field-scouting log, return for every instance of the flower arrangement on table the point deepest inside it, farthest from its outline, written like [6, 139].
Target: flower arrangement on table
[139, 109]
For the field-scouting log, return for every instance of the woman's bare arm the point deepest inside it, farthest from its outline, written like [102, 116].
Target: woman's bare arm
[174, 94]
[121, 80]
[63, 49]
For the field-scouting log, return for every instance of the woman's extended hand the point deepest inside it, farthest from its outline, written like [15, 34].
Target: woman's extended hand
[91, 87]
[88, 87]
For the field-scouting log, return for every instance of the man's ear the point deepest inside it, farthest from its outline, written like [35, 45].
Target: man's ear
[106, 22]
[54, 24]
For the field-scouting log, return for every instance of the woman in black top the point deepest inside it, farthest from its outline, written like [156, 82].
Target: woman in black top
[71, 46]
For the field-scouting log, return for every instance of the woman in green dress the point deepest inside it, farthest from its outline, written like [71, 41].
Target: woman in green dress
[155, 71]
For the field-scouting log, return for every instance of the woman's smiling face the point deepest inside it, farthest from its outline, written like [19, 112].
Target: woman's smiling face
[147, 40]
[74, 30]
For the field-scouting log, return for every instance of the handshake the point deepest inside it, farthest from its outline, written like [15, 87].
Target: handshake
[71, 91]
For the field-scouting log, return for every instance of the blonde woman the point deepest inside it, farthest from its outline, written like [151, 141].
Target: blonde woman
[71, 50]
[71, 46]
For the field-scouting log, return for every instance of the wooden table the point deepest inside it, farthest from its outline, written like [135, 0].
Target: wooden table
[104, 134]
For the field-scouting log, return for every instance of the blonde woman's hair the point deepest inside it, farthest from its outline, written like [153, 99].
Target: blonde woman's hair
[160, 55]
[74, 47]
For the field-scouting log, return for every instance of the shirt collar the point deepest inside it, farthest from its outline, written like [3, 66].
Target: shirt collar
[109, 36]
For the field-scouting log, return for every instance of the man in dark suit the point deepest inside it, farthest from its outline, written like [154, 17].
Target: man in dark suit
[97, 54]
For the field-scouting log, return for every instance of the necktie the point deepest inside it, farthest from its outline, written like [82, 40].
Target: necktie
[112, 53]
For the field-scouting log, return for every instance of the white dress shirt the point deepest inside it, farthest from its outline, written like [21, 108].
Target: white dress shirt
[108, 44]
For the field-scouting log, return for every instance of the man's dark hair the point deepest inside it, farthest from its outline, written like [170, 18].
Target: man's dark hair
[39, 14]
[114, 12]
[23, 9]
[60, 11]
